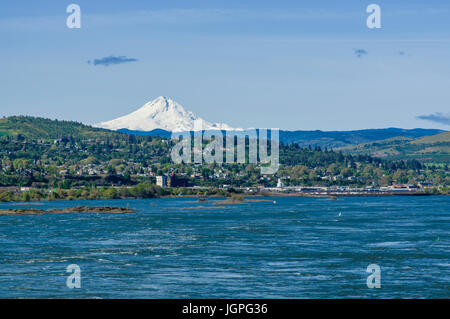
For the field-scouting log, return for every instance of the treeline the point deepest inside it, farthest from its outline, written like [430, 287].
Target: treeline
[294, 154]
[143, 190]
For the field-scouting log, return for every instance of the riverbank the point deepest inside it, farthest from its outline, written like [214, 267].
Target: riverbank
[384, 194]
[143, 191]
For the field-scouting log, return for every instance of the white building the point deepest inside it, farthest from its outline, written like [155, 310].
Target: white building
[280, 183]
[161, 181]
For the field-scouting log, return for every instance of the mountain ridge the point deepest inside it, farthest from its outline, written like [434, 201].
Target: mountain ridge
[330, 139]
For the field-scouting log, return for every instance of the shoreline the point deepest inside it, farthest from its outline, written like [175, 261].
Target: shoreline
[350, 194]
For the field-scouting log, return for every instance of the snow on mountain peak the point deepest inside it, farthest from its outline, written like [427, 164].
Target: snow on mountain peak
[161, 113]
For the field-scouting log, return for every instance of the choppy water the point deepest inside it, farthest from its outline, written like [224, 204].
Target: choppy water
[297, 248]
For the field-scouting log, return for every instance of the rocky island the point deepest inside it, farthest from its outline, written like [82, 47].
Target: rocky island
[78, 209]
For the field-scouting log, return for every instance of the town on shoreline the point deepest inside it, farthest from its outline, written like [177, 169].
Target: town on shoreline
[146, 190]
[43, 159]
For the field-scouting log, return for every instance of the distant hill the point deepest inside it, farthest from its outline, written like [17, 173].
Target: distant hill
[329, 139]
[338, 139]
[157, 132]
[40, 128]
[434, 148]
[439, 138]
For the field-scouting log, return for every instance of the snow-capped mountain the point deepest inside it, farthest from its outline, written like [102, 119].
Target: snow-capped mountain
[161, 113]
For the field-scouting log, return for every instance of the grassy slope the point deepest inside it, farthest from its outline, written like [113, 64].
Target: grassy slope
[439, 138]
[39, 128]
[434, 148]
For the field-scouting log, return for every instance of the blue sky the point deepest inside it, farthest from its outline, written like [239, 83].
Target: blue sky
[285, 64]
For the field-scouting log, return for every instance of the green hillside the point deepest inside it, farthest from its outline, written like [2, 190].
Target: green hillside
[439, 138]
[40, 128]
[435, 148]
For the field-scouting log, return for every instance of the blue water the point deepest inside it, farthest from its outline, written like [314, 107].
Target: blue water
[296, 248]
